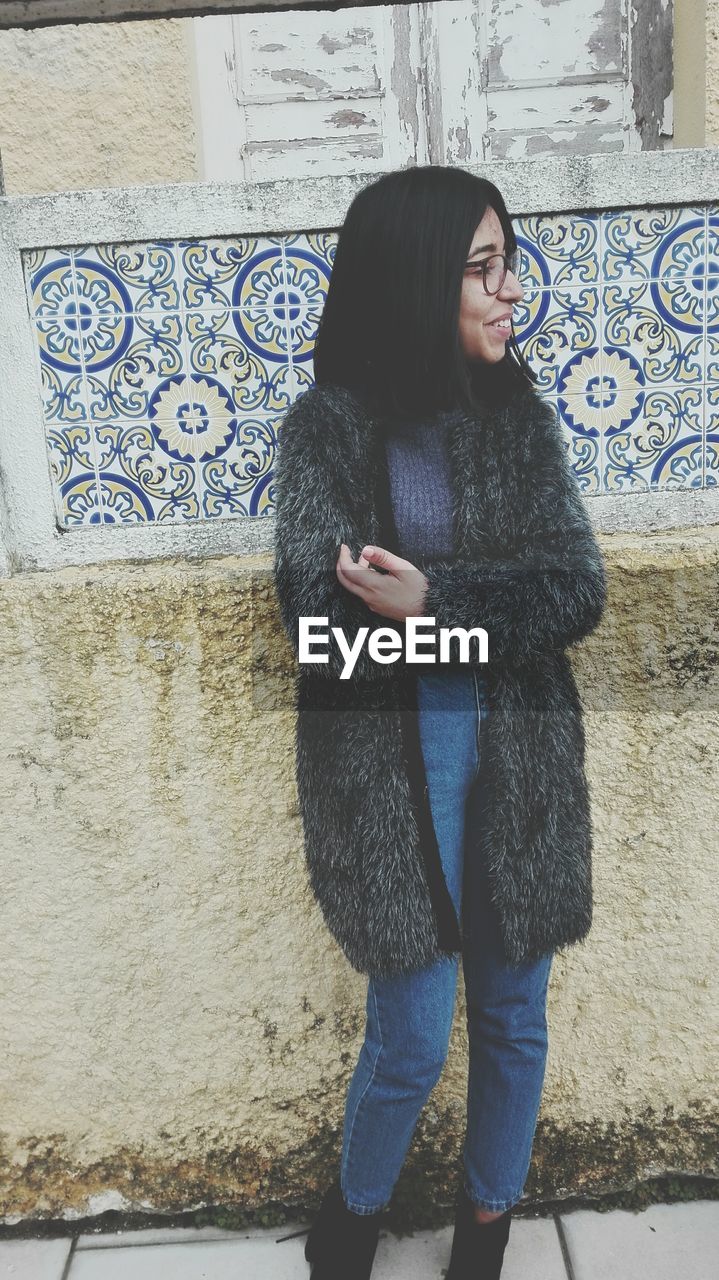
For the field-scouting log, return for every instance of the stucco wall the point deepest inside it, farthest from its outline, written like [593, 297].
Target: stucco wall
[712, 73]
[178, 1025]
[83, 106]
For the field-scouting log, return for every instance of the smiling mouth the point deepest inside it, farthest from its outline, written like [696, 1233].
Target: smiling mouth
[503, 331]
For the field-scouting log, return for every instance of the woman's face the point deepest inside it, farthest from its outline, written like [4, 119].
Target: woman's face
[479, 335]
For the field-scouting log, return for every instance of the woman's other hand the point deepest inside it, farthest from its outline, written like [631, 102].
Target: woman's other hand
[397, 594]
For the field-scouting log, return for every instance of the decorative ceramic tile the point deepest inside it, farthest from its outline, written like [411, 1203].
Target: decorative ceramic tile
[303, 377]
[62, 383]
[241, 357]
[711, 435]
[653, 244]
[239, 480]
[50, 281]
[581, 419]
[309, 260]
[155, 471]
[131, 363]
[560, 250]
[73, 465]
[234, 273]
[558, 331]
[655, 335]
[712, 298]
[141, 478]
[303, 326]
[654, 439]
[165, 368]
[653, 332]
[81, 501]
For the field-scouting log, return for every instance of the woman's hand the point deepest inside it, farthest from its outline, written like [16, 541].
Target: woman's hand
[398, 594]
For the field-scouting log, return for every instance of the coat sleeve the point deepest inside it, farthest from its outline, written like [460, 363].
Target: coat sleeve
[317, 508]
[551, 592]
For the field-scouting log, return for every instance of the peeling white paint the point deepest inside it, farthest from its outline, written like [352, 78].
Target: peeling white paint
[667, 126]
[436, 77]
[277, 115]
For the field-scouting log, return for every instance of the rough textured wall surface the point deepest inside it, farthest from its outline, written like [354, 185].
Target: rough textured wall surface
[82, 106]
[712, 64]
[178, 1025]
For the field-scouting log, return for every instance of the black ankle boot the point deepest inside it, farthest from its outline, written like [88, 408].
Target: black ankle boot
[477, 1247]
[341, 1244]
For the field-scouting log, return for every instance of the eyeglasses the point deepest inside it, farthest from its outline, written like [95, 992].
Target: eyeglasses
[494, 270]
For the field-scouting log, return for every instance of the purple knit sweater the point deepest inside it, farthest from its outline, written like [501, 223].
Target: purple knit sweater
[421, 486]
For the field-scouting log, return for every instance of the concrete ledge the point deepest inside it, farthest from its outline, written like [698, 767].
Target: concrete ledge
[542, 184]
[681, 512]
[50, 13]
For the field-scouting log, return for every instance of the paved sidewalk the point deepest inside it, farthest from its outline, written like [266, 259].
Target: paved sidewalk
[663, 1242]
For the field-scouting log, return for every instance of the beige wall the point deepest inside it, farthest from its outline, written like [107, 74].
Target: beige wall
[690, 72]
[177, 1023]
[84, 106]
[712, 73]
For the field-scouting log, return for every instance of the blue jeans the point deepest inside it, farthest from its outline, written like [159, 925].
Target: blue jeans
[409, 1018]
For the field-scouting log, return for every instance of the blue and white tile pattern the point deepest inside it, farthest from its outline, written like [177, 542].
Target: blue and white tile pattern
[166, 367]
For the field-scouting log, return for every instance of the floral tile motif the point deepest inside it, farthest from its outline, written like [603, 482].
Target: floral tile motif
[165, 368]
[139, 479]
[238, 481]
[153, 471]
[62, 384]
[711, 305]
[558, 251]
[581, 421]
[247, 272]
[558, 331]
[303, 326]
[308, 266]
[245, 354]
[50, 281]
[655, 441]
[654, 332]
[653, 244]
[73, 465]
[130, 362]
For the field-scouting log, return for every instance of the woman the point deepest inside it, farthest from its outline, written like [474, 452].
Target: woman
[445, 806]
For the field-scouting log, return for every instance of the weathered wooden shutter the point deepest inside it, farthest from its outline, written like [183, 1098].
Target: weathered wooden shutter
[283, 95]
[298, 93]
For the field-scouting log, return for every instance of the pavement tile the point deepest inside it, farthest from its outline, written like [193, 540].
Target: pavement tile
[186, 1254]
[33, 1259]
[182, 1235]
[533, 1250]
[243, 1259]
[421, 1256]
[662, 1242]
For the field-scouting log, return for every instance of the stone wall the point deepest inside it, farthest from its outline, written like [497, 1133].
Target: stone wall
[178, 1024]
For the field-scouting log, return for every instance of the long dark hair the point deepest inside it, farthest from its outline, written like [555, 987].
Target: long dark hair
[389, 329]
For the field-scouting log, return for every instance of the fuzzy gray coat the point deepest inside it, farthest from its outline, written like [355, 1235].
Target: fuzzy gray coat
[527, 568]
